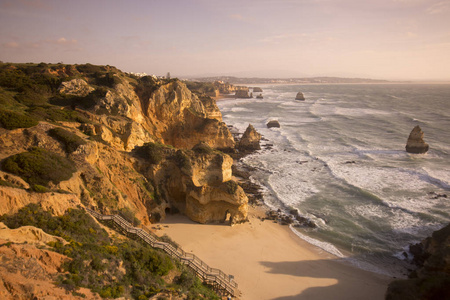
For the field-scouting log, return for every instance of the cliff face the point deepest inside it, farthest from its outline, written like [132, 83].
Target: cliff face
[27, 272]
[115, 114]
[171, 114]
[432, 277]
[197, 183]
[127, 147]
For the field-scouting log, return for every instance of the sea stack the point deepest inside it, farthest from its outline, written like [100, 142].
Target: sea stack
[415, 143]
[273, 123]
[299, 96]
[257, 90]
[250, 140]
[243, 94]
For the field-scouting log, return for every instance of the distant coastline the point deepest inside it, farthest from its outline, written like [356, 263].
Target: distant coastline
[310, 80]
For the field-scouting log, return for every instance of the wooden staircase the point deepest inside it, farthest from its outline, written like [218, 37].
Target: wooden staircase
[215, 277]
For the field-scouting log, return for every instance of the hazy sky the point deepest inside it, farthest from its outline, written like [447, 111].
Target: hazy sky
[391, 39]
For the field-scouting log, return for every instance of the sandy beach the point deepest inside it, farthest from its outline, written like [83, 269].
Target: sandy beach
[270, 262]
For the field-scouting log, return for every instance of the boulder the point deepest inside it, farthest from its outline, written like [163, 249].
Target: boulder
[242, 94]
[415, 143]
[273, 123]
[260, 96]
[250, 139]
[75, 87]
[257, 90]
[432, 276]
[299, 96]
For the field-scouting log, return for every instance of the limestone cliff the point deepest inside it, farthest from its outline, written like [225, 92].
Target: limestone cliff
[92, 136]
[106, 116]
[196, 182]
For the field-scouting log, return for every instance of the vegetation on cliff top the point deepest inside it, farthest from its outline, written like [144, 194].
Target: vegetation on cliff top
[29, 92]
[39, 166]
[112, 267]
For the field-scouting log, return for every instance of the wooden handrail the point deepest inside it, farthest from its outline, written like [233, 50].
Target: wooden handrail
[200, 268]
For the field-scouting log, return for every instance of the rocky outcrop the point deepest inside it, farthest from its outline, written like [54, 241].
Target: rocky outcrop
[199, 184]
[114, 114]
[432, 277]
[28, 234]
[27, 272]
[75, 87]
[415, 143]
[208, 204]
[244, 93]
[260, 96]
[182, 120]
[257, 90]
[273, 123]
[15, 198]
[299, 96]
[250, 140]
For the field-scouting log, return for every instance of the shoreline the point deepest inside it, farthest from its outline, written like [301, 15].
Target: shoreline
[269, 261]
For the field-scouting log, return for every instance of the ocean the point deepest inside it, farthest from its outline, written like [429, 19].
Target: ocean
[339, 158]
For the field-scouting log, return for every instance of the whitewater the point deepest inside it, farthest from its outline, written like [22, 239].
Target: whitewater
[339, 158]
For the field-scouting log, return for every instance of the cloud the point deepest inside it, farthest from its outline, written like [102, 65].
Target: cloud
[439, 8]
[237, 17]
[64, 41]
[11, 45]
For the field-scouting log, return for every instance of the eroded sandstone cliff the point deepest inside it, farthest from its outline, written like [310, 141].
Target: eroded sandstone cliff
[114, 114]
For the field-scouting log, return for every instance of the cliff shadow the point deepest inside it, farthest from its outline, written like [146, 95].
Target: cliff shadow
[352, 283]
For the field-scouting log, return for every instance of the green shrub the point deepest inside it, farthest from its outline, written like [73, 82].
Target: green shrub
[231, 186]
[12, 120]
[93, 252]
[39, 166]
[108, 79]
[7, 100]
[29, 97]
[129, 215]
[203, 148]
[146, 86]
[70, 140]
[90, 69]
[152, 152]
[39, 188]
[54, 114]
[182, 160]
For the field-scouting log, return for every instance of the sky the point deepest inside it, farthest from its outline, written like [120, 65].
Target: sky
[380, 39]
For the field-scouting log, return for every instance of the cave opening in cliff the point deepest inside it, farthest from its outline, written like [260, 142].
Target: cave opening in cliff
[227, 216]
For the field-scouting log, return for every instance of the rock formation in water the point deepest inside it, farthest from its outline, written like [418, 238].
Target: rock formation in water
[260, 96]
[250, 140]
[257, 90]
[299, 96]
[431, 280]
[415, 143]
[243, 93]
[273, 123]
